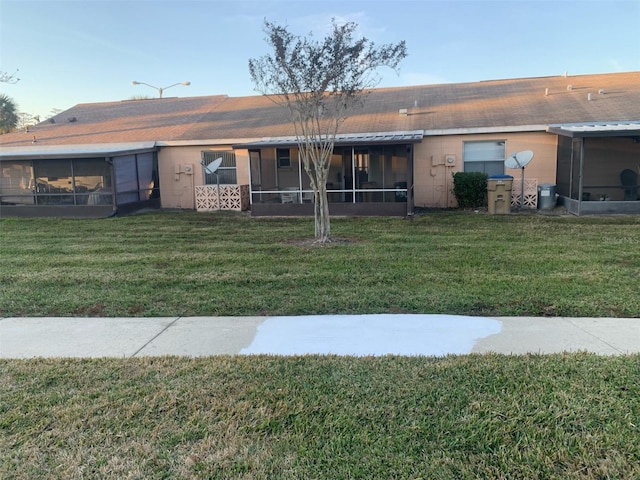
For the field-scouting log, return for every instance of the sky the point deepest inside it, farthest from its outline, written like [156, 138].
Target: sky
[85, 51]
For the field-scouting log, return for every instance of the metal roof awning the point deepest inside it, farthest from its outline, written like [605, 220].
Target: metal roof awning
[377, 138]
[74, 151]
[596, 129]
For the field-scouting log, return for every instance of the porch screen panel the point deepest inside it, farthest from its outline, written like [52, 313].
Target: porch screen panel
[563, 169]
[54, 182]
[92, 179]
[255, 165]
[17, 183]
[126, 179]
[576, 154]
[146, 175]
[485, 157]
[226, 174]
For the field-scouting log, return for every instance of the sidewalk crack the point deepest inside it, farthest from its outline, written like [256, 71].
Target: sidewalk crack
[593, 335]
[154, 337]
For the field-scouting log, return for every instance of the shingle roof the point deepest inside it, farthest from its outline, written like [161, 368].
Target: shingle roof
[492, 104]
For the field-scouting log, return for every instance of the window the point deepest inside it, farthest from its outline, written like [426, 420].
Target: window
[284, 157]
[226, 173]
[485, 157]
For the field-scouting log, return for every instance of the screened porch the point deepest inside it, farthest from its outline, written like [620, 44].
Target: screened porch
[72, 182]
[363, 179]
[598, 167]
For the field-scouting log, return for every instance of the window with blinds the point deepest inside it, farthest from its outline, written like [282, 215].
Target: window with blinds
[486, 157]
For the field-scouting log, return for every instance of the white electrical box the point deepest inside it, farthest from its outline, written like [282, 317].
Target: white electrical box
[188, 169]
[450, 160]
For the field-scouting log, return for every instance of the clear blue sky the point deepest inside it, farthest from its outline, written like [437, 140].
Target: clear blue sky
[71, 52]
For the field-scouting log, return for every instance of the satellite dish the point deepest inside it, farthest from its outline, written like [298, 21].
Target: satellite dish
[519, 160]
[213, 166]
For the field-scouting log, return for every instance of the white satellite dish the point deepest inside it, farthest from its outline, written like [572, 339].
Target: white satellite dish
[213, 166]
[519, 160]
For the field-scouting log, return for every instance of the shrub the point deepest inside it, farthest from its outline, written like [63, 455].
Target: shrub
[470, 189]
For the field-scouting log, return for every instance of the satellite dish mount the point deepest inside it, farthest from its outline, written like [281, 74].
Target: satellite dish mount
[519, 160]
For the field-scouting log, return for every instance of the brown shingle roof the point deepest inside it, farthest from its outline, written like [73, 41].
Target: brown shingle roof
[498, 103]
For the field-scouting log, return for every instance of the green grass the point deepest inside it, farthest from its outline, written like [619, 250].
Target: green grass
[574, 416]
[553, 417]
[182, 264]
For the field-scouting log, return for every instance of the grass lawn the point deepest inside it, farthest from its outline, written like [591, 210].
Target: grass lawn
[574, 416]
[183, 264]
[498, 417]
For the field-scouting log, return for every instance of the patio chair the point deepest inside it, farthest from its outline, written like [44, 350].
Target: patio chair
[629, 180]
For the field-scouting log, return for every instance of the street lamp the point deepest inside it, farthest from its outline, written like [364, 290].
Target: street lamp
[160, 90]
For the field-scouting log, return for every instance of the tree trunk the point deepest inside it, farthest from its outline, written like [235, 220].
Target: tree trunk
[321, 213]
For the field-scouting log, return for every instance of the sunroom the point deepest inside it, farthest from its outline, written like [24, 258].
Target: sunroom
[369, 174]
[78, 180]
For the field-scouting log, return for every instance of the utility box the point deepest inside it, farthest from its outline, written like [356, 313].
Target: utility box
[546, 196]
[499, 194]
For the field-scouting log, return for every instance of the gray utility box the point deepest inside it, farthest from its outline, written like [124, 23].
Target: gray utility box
[546, 196]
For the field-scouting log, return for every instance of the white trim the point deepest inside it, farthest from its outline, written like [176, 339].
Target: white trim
[586, 127]
[78, 149]
[476, 130]
[207, 142]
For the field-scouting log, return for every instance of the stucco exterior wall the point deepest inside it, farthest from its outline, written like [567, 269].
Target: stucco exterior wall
[180, 172]
[433, 174]
[433, 182]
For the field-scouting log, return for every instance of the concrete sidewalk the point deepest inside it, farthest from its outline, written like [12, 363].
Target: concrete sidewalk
[337, 334]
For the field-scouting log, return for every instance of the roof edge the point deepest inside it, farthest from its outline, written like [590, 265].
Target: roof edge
[620, 128]
[74, 150]
[472, 130]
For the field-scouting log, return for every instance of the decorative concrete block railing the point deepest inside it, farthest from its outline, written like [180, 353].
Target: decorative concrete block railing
[210, 198]
[530, 192]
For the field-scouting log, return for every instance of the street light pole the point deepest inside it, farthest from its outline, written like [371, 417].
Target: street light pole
[161, 89]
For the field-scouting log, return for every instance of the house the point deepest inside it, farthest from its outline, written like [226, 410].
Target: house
[398, 152]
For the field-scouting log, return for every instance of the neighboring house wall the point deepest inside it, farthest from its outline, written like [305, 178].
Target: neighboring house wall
[433, 182]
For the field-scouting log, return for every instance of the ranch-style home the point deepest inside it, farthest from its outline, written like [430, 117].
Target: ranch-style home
[396, 153]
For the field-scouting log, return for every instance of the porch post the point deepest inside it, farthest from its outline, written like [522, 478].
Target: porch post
[410, 180]
[581, 179]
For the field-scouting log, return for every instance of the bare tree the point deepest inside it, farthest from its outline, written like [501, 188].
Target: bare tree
[9, 77]
[320, 83]
[26, 120]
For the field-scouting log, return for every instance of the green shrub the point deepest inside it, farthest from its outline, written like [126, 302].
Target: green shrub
[470, 189]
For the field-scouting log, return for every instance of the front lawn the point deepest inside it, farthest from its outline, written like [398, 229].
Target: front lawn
[183, 264]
